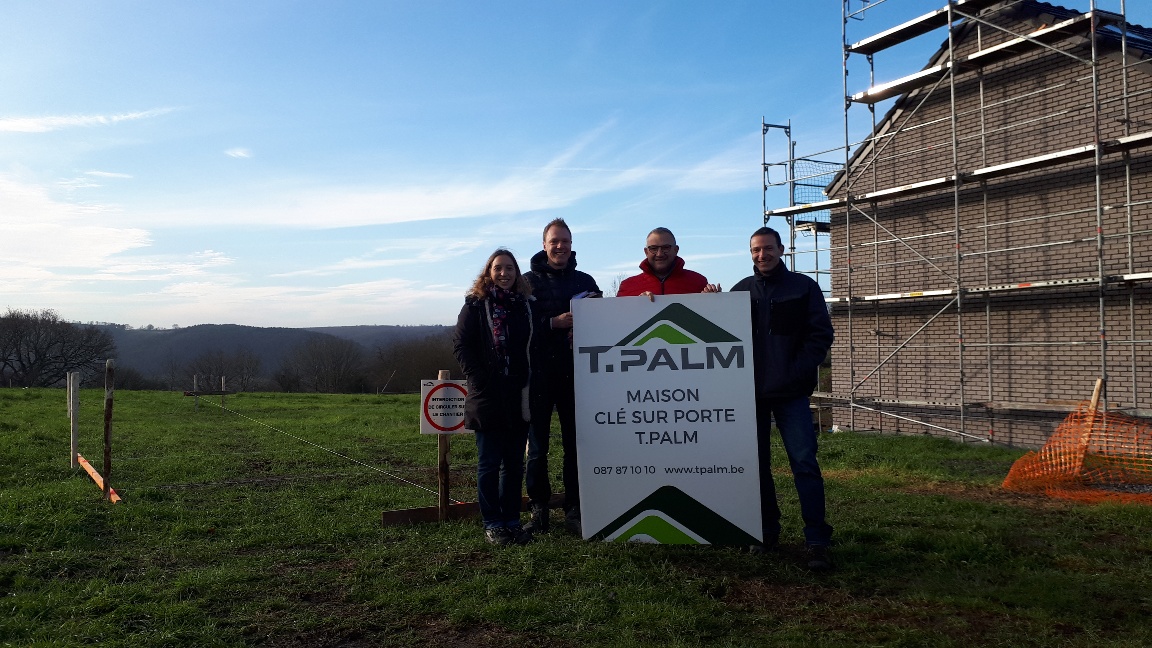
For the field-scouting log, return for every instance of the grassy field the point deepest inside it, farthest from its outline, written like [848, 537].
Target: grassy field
[237, 530]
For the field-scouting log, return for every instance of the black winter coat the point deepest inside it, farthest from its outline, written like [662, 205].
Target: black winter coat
[791, 332]
[497, 394]
[553, 290]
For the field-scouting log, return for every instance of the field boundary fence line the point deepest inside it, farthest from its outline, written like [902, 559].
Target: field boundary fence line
[328, 450]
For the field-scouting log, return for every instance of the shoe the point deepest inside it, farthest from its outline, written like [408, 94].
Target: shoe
[819, 558]
[770, 544]
[539, 521]
[498, 536]
[519, 535]
[572, 522]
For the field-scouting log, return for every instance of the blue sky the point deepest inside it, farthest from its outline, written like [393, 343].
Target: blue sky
[338, 163]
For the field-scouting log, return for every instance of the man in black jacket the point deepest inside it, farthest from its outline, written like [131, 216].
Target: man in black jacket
[791, 335]
[555, 282]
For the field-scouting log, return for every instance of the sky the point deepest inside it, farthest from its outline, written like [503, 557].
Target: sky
[333, 163]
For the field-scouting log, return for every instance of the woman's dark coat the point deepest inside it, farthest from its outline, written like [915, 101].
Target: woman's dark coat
[496, 394]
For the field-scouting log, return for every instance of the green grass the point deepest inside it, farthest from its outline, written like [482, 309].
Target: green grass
[232, 533]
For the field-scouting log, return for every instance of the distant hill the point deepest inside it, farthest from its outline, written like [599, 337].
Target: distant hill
[371, 337]
[152, 352]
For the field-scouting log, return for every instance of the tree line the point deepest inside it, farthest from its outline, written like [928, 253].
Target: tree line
[322, 363]
[38, 349]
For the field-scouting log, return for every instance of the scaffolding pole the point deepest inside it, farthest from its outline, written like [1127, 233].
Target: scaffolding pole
[1074, 38]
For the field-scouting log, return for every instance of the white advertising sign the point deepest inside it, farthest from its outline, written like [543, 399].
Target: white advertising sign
[666, 419]
[442, 406]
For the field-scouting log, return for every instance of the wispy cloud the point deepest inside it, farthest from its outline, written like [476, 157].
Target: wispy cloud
[582, 170]
[60, 235]
[333, 207]
[553, 185]
[344, 265]
[378, 301]
[167, 267]
[48, 124]
[54, 245]
[78, 183]
[86, 180]
[395, 254]
[729, 170]
[21, 202]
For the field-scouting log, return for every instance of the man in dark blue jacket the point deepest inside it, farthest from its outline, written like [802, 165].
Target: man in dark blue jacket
[791, 335]
[555, 282]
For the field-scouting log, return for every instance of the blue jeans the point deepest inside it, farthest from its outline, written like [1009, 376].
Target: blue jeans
[794, 420]
[500, 471]
[556, 391]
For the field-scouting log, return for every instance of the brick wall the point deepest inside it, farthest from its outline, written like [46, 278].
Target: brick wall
[1039, 346]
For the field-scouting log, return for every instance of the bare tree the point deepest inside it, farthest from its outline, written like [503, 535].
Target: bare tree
[245, 369]
[324, 363]
[286, 378]
[38, 349]
[241, 369]
[128, 378]
[614, 289]
[401, 366]
[174, 372]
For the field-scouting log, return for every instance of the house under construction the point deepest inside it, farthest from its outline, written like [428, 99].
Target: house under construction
[988, 247]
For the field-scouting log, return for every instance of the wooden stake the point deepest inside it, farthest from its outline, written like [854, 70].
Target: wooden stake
[443, 445]
[1086, 435]
[457, 511]
[113, 496]
[74, 415]
[460, 511]
[1096, 395]
[109, 388]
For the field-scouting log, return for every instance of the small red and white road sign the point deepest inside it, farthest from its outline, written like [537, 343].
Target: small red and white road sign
[442, 406]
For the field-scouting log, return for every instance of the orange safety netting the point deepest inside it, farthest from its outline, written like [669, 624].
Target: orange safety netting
[1093, 456]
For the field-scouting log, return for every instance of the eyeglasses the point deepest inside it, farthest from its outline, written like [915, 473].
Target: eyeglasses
[659, 248]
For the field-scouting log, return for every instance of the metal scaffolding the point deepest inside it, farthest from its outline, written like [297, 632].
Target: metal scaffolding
[959, 282]
[805, 179]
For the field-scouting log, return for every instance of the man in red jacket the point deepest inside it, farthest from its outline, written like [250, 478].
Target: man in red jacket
[662, 271]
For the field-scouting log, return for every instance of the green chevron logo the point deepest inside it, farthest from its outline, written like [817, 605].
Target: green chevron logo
[671, 516]
[674, 326]
[677, 324]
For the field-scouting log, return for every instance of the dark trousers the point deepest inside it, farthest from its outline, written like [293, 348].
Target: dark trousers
[557, 391]
[794, 420]
[500, 469]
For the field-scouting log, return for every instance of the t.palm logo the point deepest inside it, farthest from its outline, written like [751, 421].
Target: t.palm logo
[677, 324]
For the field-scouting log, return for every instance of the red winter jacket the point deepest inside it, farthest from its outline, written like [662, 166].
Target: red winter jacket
[679, 282]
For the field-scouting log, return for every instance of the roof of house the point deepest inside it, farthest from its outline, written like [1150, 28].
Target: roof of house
[1111, 35]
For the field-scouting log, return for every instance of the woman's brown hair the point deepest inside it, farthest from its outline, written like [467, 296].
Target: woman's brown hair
[480, 287]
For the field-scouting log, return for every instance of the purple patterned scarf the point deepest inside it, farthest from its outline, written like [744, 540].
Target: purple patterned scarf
[501, 301]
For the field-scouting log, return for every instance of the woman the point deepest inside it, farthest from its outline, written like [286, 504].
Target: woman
[494, 344]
